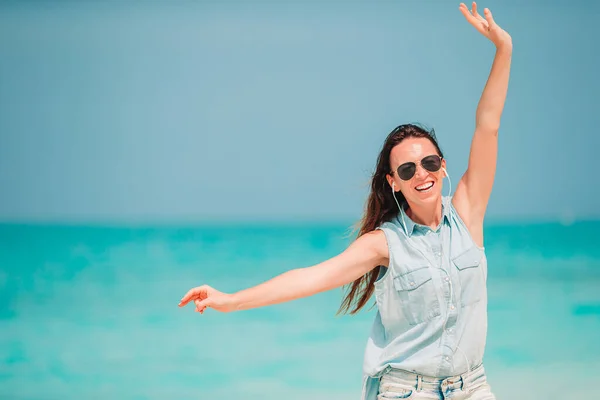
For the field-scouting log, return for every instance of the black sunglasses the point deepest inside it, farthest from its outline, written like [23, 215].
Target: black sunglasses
[431, 163]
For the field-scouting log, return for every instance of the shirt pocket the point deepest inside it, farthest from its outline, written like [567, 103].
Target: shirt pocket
[470, 272]
[418, 297]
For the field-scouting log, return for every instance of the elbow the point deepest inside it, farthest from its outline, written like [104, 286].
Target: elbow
[489, 130]
[489, 126]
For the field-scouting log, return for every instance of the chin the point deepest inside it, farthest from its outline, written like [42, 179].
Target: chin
[427, 198]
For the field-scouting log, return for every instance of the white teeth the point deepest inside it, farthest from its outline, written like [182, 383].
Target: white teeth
[425, 186]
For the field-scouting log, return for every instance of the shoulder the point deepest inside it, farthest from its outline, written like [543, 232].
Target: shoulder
[376, 240]
[390, 226]
[372, 245]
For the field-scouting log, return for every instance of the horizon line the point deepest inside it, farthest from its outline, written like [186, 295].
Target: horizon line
[264, 221]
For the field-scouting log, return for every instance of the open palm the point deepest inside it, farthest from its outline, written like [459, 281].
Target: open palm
[486, 26]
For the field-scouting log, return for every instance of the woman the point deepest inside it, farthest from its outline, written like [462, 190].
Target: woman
[421, 254]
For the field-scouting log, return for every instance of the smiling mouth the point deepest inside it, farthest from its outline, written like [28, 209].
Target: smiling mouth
[426, 187]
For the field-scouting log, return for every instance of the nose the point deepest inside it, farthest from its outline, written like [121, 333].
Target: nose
[421, 172]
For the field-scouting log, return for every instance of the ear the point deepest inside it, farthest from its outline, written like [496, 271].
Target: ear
[390, 180]
[444, 166]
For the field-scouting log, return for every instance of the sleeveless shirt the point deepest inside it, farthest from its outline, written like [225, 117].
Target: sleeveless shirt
[431, 301]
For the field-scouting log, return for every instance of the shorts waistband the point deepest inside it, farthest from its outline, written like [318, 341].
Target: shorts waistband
[429, 382]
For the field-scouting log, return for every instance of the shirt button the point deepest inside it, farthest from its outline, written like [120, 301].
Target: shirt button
[452, 306]
[447, 358]
[449, 330]
[447, 279]
[412, 284]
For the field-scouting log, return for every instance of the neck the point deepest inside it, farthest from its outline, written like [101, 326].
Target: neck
[426, 214]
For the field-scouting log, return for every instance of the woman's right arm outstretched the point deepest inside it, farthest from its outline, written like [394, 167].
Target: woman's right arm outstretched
[364, 254]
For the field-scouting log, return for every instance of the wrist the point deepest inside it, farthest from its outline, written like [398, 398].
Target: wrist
[235, 304]
[504, 48]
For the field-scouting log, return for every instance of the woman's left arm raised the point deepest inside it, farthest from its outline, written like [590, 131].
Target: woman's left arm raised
[475, 187]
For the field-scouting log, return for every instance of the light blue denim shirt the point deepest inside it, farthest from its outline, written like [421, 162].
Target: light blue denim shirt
[431, 301]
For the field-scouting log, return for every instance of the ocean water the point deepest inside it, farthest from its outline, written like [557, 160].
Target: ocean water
[91, 313]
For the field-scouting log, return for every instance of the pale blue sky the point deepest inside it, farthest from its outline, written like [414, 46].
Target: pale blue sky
[195, 111]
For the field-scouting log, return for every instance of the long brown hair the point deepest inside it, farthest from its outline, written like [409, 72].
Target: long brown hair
[380, 207]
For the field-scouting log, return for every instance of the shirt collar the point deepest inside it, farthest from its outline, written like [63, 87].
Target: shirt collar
[411, 226]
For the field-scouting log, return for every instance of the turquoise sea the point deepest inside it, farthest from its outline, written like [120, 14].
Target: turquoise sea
[91, 313]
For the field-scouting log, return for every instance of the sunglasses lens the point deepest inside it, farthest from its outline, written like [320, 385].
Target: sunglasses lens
[407, 171]
[432, 163]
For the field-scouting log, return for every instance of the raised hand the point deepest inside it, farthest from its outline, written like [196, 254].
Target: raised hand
[487, 26]
[205, 296]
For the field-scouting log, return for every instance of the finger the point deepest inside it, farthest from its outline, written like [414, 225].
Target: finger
[489, 18]
[475, 13]
[201, 305]
[463, 8]
[191, 294]
[474, 20]
[481, 26]
[465, 11]
[188, 296]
